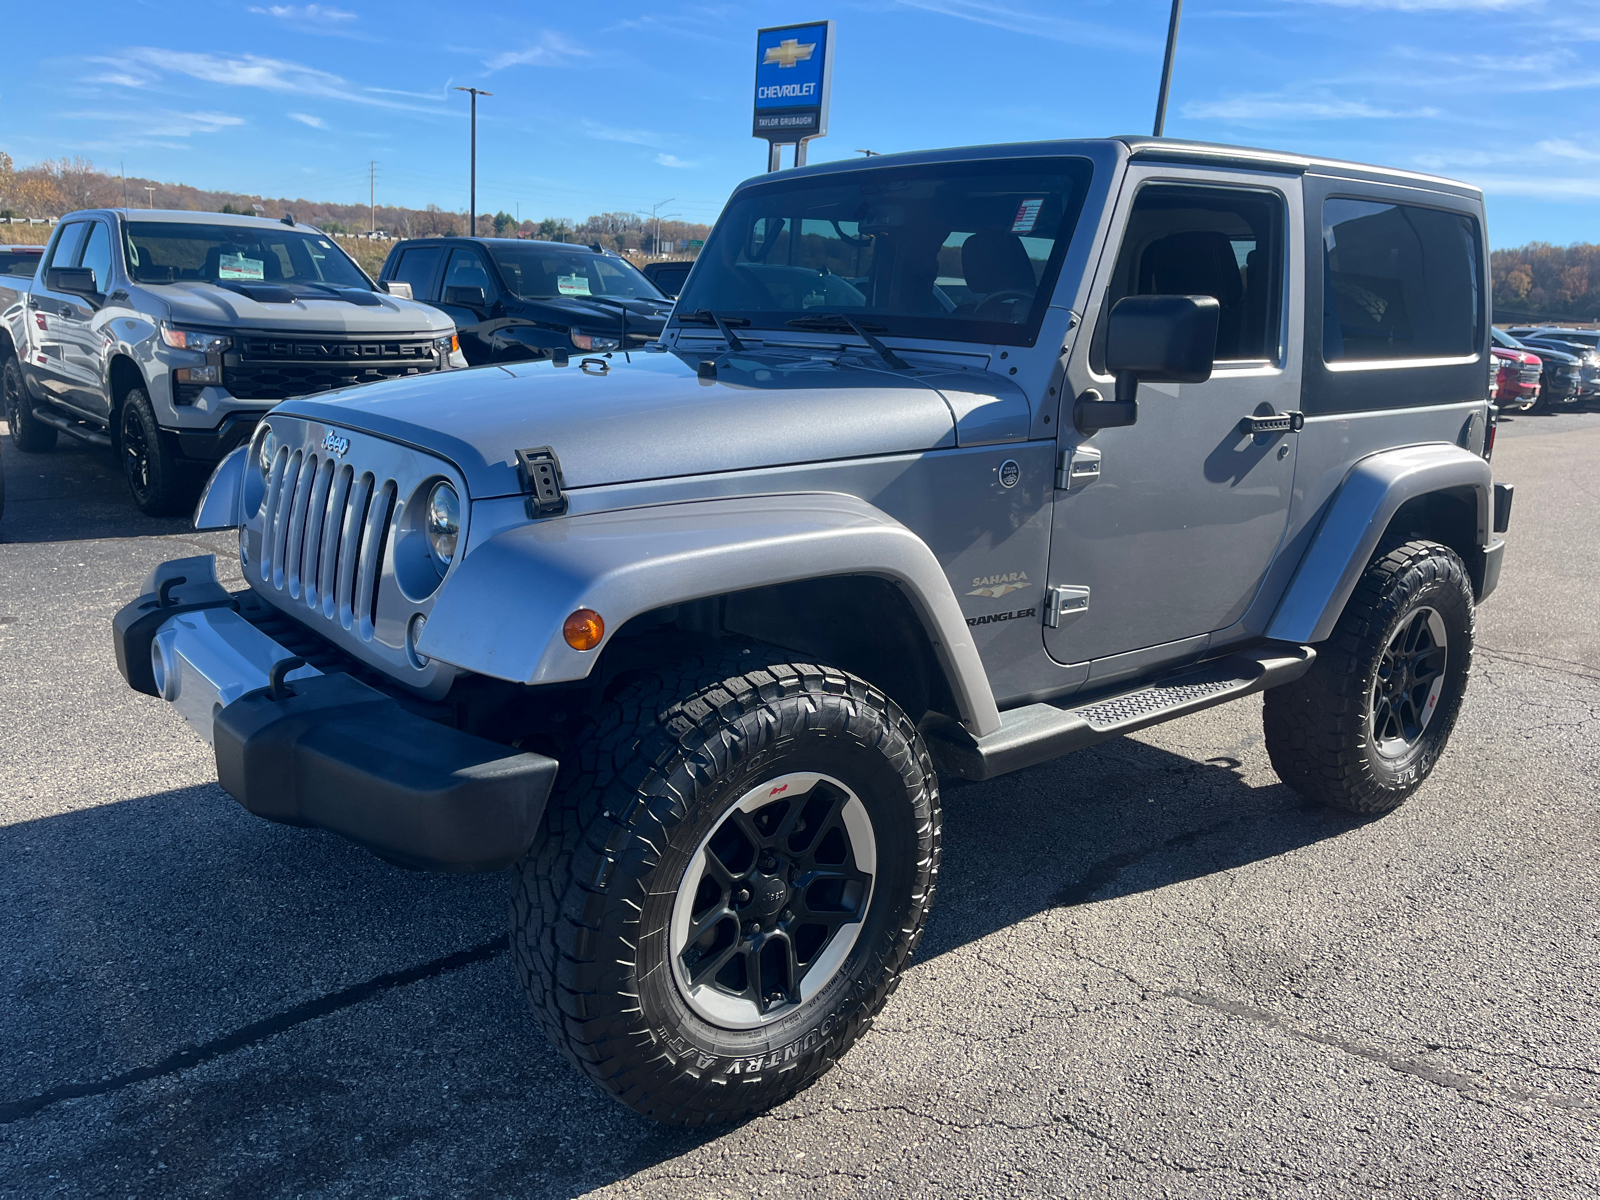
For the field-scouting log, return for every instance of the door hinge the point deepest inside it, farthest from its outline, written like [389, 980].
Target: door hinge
[540, 472]
[1078, 466]
[1277, 423]
[1064, 600]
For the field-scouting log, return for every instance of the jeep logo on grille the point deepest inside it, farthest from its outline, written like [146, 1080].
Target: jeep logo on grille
[334, 444]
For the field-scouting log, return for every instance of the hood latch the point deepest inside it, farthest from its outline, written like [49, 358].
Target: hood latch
[540, 472]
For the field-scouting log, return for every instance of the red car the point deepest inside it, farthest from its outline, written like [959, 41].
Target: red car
[1517, 380]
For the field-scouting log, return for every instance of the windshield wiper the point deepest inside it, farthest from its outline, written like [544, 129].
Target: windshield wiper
[834, 321]
[724, 325]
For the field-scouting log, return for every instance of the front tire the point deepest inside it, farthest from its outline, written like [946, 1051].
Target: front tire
[731, 876]
[149, 460]
[28, 434]
[1367, 724]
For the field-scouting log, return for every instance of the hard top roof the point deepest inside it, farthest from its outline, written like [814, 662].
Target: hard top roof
[1145, 147]
[184, 216]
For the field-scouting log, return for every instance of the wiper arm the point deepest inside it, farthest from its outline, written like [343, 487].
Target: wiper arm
[724, 325]
[835, 320]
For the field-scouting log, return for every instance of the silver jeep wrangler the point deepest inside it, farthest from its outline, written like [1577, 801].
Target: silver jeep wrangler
[946, 463]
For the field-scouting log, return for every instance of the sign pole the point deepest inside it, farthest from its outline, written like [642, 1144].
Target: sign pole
[1166, 67]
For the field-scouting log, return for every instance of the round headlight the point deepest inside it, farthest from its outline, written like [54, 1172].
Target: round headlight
[267, 447]
[444, 522]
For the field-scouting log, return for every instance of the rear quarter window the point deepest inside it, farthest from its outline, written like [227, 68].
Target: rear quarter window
[1396, 296]
[1399, 281]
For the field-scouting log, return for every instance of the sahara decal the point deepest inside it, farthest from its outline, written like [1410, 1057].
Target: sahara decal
[995, 586]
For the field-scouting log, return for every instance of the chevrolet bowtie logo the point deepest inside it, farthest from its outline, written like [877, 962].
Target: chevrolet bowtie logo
[788, 52]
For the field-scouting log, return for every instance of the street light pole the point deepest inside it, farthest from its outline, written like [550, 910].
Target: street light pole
[472, 203]
[150, 197]
[1166, 67]
[654, 210]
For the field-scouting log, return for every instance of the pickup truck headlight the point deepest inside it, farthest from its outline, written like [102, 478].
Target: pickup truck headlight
[446, 346]
[444, 523]
[196, 340]
[586, 341]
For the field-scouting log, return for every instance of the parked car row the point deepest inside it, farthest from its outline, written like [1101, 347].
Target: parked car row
[1546, 367]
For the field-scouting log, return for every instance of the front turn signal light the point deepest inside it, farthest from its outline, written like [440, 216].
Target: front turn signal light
[584, 629]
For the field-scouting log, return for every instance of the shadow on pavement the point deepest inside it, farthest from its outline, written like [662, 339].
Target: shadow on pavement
[363, 1022]
[75, 492]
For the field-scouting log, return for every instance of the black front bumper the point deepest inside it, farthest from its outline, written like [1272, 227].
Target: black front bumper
[333, 752]
[342, 756]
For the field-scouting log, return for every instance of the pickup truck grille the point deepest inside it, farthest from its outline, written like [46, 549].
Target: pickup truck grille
[273, 367]
[1530, 373]
[332, 539]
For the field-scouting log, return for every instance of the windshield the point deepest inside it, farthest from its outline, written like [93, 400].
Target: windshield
[1505, 340]
[537, 271]
[961, 251]
[176, 252]
[23, 265]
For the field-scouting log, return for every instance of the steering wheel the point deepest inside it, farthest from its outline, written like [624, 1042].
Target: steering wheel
[1007, 296]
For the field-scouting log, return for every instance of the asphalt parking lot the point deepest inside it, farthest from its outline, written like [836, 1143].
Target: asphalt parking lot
[1151, 970]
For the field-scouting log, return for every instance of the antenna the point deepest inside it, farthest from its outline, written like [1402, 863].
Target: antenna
[1166, 67]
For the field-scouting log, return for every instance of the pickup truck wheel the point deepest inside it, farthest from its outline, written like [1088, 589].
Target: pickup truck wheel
[148, 460]
[27, 434]
[731, 876]
[1366, 725]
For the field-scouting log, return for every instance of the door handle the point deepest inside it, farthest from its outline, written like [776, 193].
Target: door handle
[1277, 423]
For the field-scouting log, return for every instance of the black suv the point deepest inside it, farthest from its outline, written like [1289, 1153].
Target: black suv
[514, 299]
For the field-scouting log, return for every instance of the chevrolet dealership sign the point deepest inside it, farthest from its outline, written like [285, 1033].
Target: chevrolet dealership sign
[794, 68]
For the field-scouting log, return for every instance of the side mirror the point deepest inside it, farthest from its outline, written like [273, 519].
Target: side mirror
[467, 297]
[75, 281]
[395, 288]
[1160, 339]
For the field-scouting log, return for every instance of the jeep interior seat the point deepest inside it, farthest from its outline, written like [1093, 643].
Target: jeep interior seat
[994, 260]
[1198, 263]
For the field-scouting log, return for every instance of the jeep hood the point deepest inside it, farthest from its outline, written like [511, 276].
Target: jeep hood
[611, 421]
[196, 303]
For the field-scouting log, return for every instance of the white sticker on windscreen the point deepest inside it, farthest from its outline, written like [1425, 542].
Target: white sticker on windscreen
[572, 285]
[1027, 215]
[237, 266]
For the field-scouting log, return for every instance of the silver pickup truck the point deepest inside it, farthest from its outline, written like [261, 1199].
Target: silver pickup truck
[166, 335]
[946, 464]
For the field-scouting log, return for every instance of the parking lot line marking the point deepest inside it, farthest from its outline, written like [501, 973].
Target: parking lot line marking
[256, 1031]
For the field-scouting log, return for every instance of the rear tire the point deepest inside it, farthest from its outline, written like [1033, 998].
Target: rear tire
[676, 815]
[150, 464]
[1367, 724]
[28, 434]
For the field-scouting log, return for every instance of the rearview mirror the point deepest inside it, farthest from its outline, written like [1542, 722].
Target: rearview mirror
[1159, 339]
[465, 297]
[75, 281]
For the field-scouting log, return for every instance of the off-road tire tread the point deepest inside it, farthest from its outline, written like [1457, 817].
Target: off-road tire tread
[171, 488]
[1314, 726]
[663, 735]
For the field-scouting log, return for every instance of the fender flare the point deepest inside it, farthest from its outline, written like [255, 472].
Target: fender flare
[501, 611]
[1355, 522]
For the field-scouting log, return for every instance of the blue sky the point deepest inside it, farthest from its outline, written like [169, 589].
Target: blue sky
[598, 107]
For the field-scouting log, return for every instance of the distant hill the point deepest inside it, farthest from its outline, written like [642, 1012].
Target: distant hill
[1541, 282]
[53, 188]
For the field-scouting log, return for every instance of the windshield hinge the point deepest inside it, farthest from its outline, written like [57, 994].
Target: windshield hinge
[540, 472]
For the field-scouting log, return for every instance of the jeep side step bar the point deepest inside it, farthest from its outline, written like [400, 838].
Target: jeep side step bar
[81, 430]
[1036, 733]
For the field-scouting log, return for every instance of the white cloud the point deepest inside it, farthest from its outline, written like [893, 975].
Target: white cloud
[1543, 187]
[1033, 23]
[551, 50]
[1430, 6]
[310, 14]
[253, 71]
[633, 137]
[672, 160]
[1267, 107]
[158, 127]
[308, 119]
[1561, 148]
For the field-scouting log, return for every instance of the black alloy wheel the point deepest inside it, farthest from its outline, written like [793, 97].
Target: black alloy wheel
[1368, 723]
[28, 434]
[773, 900]
[149, 460]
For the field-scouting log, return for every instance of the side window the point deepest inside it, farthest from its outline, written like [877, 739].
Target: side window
[1208, 241]
[1399, 281]
[416, 267]
[466, 269]
[97, 255]
[67, 243]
